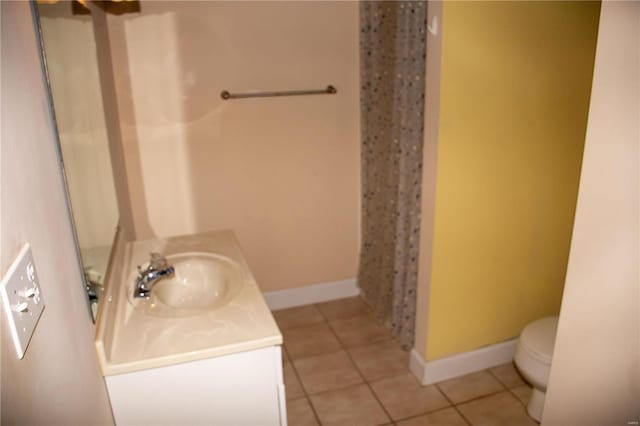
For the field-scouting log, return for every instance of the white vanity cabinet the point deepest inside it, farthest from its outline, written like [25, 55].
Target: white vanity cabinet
[218, 364]
[244, 388]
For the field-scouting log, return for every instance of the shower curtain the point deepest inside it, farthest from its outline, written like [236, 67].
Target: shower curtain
[392, 73]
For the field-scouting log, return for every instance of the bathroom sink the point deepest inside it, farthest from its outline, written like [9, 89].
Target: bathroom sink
[209, 306]
[202, 282]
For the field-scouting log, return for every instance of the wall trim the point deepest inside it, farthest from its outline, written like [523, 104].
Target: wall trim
[457, 365]
[315, 293]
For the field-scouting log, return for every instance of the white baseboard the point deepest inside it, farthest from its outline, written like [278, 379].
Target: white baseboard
[315, 293]
[460, 364]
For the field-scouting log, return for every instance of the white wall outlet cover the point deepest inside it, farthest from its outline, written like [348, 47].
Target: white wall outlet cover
[22, 299]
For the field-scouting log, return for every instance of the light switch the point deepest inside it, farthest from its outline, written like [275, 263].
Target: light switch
[22, 299]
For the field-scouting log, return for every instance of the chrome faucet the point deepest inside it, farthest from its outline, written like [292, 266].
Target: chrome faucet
[158, 268]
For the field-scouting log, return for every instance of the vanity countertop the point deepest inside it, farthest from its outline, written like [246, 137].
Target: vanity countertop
[129, 340]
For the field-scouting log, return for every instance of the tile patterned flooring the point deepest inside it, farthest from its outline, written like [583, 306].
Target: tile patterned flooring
[342, 368]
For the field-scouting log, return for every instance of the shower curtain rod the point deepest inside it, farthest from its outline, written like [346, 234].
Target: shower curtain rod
[329, 90]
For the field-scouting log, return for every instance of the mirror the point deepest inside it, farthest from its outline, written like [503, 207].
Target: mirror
[70, 55]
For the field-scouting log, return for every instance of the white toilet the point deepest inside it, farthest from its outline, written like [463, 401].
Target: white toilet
[533, 359]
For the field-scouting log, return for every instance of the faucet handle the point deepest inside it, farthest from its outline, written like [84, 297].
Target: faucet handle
[157, 261]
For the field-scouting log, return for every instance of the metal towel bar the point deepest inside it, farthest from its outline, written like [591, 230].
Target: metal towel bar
[329, 90]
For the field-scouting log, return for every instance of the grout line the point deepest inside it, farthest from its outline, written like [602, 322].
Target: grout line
[343, 347]
[341, 387]
[482, 396]
[516, 396]
[455, 406]
[317, 306]
[288, 355]
[495, 376]
[295, 327]
[316, 355]
[313, 410]
[325, 319]
[393, 421]
[352, 360]
[427, 413]
[443, 393]
[375, 396]
[359, 345]
[509, 389]
[366, 382]
[307, 396]
[418, 415]
[337, 389]
[304, 391]
[375, 342]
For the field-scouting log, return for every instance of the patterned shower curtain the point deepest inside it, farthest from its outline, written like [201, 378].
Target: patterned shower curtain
[392, 73]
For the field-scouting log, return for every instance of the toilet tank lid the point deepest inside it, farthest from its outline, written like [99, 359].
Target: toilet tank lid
[540, 336]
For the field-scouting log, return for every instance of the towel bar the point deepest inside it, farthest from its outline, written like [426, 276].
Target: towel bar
[329, 90]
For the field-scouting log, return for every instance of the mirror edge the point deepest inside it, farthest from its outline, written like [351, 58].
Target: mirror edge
[35, 16]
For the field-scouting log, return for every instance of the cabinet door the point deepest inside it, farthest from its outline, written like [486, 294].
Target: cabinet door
[237, 389]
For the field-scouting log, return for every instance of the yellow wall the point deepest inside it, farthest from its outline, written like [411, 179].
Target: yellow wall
[282, 172]
[515, 87]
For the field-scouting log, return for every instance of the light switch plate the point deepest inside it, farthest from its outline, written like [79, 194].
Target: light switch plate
[22, 299]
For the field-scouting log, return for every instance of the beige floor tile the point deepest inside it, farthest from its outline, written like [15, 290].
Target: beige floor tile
[508, 375]
[471, 386]
[344, 308]
[310, 340]
[403, 396]
[354, 406]
[380, 360]
[359, 330]
[298, 316]
[446, 417]
[327, 372]
[502, 409]
[523, 393]
[292, 385]
[299, 413]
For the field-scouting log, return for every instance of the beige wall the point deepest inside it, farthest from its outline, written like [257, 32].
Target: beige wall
[112, 122]
[595, 373]
[514, 96]
[58, 381]
[282, 172]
